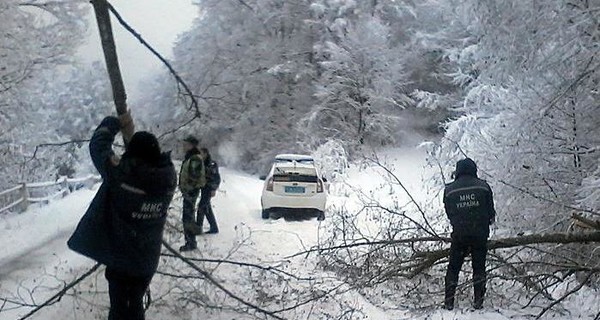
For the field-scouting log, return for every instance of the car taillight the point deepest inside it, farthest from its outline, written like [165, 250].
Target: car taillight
[319, 186]
[270, 184]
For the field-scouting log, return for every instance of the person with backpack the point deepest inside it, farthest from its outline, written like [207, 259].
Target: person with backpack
[192, 178]
[213, 180]
[469, 204]
[123, 226]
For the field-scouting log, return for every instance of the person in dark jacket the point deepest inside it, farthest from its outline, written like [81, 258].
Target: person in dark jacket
[192, 178]
[213, 180]
[469, 205]
[124, 224]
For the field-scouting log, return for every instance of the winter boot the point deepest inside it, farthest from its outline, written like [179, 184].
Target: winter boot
[212, 231]
[187, 247]
[449, 294]
[479, 293]
[449, 299]
[448, 305]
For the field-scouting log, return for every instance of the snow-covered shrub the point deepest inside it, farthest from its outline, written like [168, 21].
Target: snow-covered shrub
[332, 159]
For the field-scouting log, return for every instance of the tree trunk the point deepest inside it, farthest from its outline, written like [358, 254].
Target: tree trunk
[556, 238]
[110, 55]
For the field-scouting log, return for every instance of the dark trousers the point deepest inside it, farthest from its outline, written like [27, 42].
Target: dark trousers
[189, 214]
[459, 249]
[126, 295]
[205, 209]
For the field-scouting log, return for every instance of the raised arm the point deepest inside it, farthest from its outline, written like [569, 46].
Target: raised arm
[101, 144]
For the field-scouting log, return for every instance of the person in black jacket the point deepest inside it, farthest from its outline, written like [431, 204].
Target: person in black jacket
[469, 205]
[124, 224]
[213, 180]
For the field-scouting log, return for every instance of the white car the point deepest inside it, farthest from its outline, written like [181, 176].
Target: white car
[294, 184]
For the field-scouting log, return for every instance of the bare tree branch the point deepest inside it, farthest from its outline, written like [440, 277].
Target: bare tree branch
[217, 284]
[180, 81]
[55, 298]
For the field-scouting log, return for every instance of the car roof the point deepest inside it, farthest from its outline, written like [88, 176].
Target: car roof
[293, 157]
[294, 164]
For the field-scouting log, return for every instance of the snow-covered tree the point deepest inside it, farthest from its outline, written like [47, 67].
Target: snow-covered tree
[38, 38]
[360, 88]
[530, 110]
[249, 63]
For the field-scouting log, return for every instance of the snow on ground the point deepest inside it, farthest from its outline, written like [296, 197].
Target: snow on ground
[35, 255]
[32, 238]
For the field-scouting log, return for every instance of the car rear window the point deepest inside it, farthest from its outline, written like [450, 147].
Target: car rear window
[294, 178]
[307, 161]
[296, 174]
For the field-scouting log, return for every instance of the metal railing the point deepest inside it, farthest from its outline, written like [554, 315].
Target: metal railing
[18, 198]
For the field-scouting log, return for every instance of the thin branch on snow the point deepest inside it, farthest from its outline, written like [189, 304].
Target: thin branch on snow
[271, 269]
[56, 297]
[217, 284]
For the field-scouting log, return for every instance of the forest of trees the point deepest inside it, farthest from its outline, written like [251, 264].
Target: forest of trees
[512, 84]
[45, 96]
[300, 73]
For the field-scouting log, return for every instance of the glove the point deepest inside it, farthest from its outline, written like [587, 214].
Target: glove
[127, 127]
[111, 123]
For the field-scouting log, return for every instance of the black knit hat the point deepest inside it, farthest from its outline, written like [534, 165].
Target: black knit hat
[192, 140]
[466, 166]
[144, 145]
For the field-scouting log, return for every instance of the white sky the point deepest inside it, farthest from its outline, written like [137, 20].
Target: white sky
[158, 21]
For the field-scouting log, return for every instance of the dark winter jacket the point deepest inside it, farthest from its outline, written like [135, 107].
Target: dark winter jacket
[213, 177]
[192, 175]
[124, 224]
[469, 202]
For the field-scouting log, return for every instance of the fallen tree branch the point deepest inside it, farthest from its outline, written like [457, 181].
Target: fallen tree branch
[584, 222]
[110, 54]
[556, 238]
[371, 243]
[216, 283]
[566, 295]
[245, 264]
[430, 229]
[180, 81]
[56, 297]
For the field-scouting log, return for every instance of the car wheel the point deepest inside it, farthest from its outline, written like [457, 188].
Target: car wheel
[321, 216]
[266, 214]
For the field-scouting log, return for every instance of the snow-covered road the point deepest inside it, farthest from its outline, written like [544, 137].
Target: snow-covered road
[35, 248]
[35, 261]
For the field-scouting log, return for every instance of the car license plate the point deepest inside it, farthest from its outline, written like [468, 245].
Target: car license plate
[294, 189]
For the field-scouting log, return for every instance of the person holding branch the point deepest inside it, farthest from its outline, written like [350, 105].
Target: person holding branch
[123, 226]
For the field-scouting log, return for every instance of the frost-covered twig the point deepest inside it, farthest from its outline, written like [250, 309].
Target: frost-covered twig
[56, 297]
[217, 284]
[566, 295]
[271, 269]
